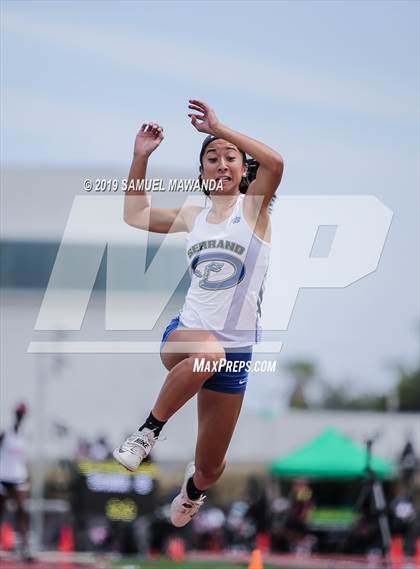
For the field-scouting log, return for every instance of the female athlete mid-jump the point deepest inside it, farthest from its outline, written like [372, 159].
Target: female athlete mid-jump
[228, 247]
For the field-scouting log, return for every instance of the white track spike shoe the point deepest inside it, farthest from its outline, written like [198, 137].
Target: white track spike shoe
[182, 508]
[135, 449]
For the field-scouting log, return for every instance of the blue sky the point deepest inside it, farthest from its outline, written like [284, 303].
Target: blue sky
[334, 86]
[282, 70]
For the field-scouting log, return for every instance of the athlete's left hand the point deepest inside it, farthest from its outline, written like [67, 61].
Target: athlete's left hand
[207, 121]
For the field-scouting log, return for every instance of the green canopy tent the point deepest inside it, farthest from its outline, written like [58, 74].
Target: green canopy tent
[330, 455]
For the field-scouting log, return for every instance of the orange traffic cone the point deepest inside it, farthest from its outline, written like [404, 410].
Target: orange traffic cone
[7, 537]
[176, 549]
[397, 552]
[66, 541]
[256, 561]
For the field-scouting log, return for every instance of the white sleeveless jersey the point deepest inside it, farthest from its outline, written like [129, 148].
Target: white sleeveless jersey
[12, 458]
[228, 265]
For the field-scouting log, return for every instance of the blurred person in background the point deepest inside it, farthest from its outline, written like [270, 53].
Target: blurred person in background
[228, 250]
[240, 529]
[403, 518]
[160, 530]
[258, 510]
[300, 508]
[14, 482]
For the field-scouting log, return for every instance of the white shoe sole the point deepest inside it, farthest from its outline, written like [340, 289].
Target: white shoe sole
[176, 522]
[118, 457]
[189, 471]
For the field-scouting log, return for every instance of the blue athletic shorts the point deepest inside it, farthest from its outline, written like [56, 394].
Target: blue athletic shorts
[233, 376]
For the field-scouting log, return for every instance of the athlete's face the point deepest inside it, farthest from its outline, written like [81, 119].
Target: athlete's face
[222, 161]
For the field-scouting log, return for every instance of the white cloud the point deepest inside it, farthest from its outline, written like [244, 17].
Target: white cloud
[154, 54]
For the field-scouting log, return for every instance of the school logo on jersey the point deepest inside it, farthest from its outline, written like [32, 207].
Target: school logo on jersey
[236, 219]
[207, 266]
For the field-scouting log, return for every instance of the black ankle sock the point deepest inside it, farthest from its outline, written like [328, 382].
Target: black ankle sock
[193, 492]
[154, 424]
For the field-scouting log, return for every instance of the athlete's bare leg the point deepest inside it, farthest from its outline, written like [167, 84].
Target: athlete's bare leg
[22, 518]
[2, 505]
[182, 382]
[22, 515]
[217, 417]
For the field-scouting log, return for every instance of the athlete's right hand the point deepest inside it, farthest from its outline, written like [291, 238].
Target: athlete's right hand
[148, 139]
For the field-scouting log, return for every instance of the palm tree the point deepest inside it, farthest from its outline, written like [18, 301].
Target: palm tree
[302, 372]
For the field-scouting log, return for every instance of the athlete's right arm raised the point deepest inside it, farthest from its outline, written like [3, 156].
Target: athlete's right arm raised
[137, 210]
